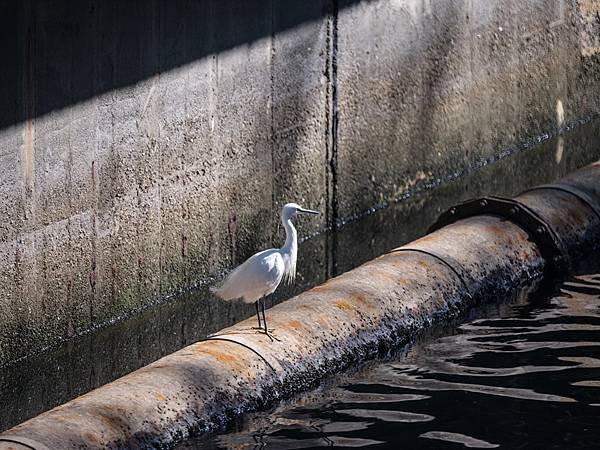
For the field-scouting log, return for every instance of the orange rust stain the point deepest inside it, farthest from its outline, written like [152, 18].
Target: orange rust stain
[295, 324]
[161, 397]
[497, 228]
[382, 275]
[108, 418]
[322, 287]
[358, 297]
[218, 355]
[91, 437]
[341, 304]
[423, 263]
[398, 263]
[222, 357]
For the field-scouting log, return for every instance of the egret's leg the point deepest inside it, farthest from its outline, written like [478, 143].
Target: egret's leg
[273, 338]
[260, 327]
[258, 314]
[264, 316]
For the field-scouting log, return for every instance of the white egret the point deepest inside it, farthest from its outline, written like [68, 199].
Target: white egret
[260, 274]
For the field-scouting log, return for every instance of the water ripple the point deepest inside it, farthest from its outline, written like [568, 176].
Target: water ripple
[467, 441]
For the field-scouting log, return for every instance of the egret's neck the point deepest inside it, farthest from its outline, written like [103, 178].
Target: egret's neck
[291, 237]
[289, 251]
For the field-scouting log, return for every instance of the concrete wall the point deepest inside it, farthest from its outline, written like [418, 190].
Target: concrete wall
[145, 145]
[50, 378]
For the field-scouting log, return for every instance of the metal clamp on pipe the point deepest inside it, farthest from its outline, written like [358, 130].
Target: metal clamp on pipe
[22, 442]
[540, 232]
[449, 262]
[234, 340]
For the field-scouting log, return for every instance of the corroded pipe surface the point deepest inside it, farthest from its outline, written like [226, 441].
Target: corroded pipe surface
[347, 319]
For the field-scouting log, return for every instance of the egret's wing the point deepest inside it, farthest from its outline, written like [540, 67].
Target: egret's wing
[259, 275]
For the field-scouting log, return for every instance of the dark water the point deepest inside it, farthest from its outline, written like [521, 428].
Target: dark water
[523, 374]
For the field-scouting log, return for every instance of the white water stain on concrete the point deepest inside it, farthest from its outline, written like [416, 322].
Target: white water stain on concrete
[560, 121]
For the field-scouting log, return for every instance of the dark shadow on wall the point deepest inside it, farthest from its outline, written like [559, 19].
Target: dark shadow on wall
[58, 53]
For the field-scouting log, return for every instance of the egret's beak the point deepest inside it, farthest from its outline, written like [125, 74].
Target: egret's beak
[307, 211]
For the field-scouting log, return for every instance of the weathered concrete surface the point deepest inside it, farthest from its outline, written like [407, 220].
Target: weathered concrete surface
[426, 86]
[147, 145]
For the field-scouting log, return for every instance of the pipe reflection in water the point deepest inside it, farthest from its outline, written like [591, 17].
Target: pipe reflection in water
[54, 376]
[523, 374]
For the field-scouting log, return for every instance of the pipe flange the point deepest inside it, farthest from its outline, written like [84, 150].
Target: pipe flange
[549, 243]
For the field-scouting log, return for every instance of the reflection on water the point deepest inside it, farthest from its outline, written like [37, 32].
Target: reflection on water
[523, 374]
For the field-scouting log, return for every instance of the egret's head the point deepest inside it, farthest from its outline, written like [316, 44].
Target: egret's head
[291, 209]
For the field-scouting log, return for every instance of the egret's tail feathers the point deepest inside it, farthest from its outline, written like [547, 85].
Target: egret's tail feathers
[222, 292]
[217, 290]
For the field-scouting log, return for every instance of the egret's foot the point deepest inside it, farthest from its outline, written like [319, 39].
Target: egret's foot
[271, 336]
[267, 332]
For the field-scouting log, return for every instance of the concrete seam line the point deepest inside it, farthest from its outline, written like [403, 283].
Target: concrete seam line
[220, 338]
[23, 441]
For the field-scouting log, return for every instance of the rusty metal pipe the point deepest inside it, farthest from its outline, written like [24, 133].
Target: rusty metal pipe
[347, 319]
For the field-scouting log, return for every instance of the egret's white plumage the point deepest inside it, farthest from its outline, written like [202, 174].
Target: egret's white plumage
[256, 278]
[260, 275]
